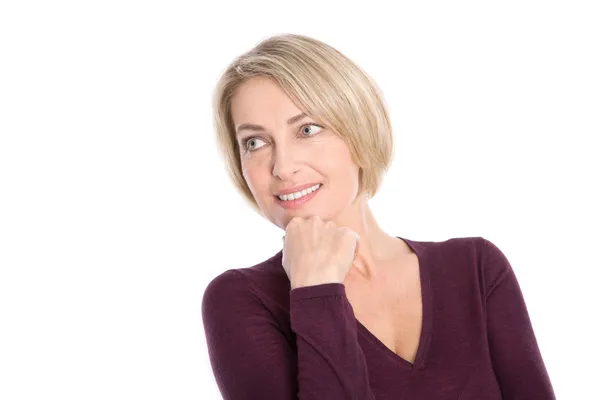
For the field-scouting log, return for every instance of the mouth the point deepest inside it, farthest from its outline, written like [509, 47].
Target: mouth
[295, 200]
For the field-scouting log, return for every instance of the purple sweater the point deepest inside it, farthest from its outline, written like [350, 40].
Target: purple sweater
[266, 341]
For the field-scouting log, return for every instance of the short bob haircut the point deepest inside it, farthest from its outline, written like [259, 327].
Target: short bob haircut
[324, 84]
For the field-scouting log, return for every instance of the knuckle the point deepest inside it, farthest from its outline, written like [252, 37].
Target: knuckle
[350, 234]
[345, 230]
[330, 224]
[294, 221]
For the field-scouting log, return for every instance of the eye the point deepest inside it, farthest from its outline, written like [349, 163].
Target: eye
[249, 144]
[251, 141]
[305, 130]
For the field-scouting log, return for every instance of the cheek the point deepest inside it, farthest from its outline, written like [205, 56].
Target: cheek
[256, 177]
[336, 159]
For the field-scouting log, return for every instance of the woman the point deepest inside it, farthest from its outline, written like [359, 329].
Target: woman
[345, 310]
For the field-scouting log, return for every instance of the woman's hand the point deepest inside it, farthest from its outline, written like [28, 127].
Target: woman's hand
[317, 252]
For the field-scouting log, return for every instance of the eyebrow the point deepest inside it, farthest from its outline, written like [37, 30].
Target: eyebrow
[254, 127]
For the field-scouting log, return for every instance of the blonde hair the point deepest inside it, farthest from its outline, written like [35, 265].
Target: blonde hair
[326, 85]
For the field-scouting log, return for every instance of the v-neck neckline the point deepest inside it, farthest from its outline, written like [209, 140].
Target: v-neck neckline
[427, 314]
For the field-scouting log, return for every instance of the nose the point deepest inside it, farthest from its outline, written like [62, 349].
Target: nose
[285, 165]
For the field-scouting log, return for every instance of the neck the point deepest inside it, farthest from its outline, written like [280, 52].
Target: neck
[375, 246]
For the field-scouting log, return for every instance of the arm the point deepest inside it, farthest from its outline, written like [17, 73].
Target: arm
[252, 359]
[331, 364]
[514, 351]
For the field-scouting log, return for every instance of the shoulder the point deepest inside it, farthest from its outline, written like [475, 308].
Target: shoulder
[225, 289]
[246, 286]
[475, 259]
[450, 253]
[474, 248]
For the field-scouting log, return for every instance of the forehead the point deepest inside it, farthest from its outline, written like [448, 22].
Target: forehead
[261, 100]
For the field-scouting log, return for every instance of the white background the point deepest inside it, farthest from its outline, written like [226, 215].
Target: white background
[116, 211]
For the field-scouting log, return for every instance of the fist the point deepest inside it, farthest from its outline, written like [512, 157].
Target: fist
[316, 252]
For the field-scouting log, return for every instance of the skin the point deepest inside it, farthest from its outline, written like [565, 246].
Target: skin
[303, 153]
[383, 283]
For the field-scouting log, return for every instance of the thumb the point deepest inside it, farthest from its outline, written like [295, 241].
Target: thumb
[357, 245]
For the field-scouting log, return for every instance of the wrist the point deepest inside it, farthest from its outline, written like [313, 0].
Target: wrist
[313, 281]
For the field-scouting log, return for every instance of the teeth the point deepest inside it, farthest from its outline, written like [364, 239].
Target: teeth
[297, 195]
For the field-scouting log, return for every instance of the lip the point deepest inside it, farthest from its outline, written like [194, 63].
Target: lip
[296, 189]
[297, 203]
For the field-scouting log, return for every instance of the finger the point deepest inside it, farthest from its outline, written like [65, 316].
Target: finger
[357, 244]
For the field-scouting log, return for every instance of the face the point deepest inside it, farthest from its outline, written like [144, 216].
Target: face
[279, 152]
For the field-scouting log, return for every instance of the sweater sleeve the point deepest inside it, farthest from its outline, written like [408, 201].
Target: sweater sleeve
[514, 351]
[331, 363]
[252, 359]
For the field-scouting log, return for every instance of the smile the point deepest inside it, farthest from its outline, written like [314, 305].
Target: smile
[298, 199]
[298, 195]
